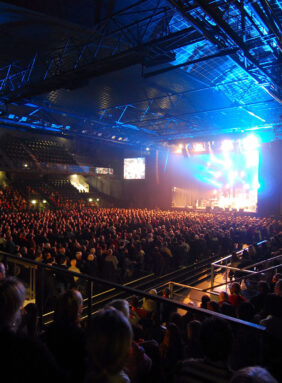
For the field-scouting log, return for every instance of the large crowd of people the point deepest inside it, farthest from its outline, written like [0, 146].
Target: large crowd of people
[129, 341]
[119, 244]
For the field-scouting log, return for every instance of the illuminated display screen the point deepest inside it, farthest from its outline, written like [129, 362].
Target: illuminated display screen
[104, 171]
[134, 168]
[226, 177]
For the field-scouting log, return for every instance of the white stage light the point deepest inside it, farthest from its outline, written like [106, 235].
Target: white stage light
[227, 146]
[251, 142]
[228, 163]
[199, 147]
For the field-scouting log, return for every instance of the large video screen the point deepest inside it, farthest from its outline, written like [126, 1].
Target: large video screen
[224, 176]
[134, 168]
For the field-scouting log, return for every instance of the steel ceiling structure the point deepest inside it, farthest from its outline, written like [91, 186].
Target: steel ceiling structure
[142, 71]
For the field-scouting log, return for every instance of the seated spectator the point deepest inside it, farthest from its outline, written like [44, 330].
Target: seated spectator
[259, 300]
[149, 304]
[22, 358]
[192, 346]
[136, 313]
[213, 306]
[65, 338]
[74, 269]
[171, 350]
[223, 297]
[204, 302]
[236, 297]
[108, 344]
[138, 364]
[216, 345]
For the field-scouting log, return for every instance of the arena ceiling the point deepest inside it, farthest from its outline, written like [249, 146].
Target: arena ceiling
[151, 71]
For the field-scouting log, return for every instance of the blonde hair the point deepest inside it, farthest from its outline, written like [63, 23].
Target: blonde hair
[12, 296]
[109, 340]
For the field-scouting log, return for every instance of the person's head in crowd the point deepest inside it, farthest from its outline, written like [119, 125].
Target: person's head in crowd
[134, 301]
[263, 287]
[68, 308]
[216, 339]
[213, 306]
[204, 301]
[109, 338]
[12, 296]
[2, 271]
[153, 292]
[73, 262]
[223, 296]
[90, 257]
[235, 288]
[246, 311]
[193, 330]
[254, 374]
[29, 320]
[278, 287]
[234, 257]
[122, 305]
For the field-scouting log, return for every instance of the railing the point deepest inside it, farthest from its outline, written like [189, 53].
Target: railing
[181, 286]
[219, 264]
[91, 282]
[249, 273]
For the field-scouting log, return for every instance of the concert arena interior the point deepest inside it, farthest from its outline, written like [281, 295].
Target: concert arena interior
[141, 191]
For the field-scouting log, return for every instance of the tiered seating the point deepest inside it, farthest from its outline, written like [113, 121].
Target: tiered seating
[49, 151]
[15, 150]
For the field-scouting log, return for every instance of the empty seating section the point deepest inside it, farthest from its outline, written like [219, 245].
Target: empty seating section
[47, 151]
[35, 151]
[15, 150]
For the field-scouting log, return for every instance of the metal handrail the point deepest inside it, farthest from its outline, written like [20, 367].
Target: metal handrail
[216, 265]
[130, 290]
[189, 287]
[248, 276]
[239, 252]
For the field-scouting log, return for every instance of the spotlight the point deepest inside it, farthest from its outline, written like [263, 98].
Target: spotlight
[226, 146]
[147, 149]
[98, 199]
[25, 165]
[251, 142]
[44, 201]
[90, 199]
[199, 147]
[179, 149]
[33, 201]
